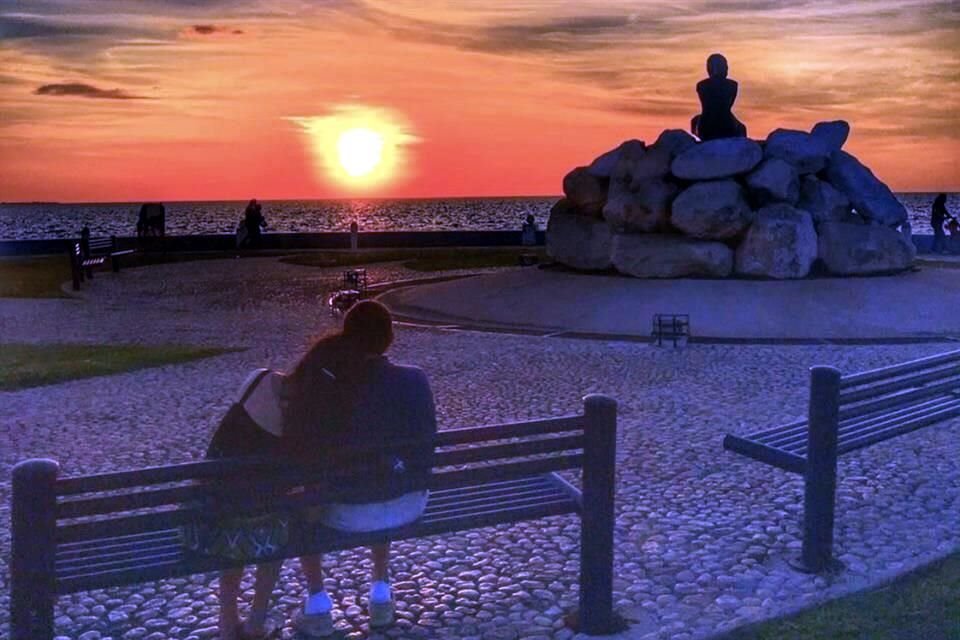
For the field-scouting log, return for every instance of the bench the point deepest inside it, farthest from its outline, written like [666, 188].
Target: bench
[79, 533]
[847, 413]
[671, 326]
[85, 255]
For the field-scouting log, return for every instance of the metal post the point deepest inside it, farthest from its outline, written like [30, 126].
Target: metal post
[354, 236]
[33, 550]
[597, 517]
[75, 272]
[821, 473]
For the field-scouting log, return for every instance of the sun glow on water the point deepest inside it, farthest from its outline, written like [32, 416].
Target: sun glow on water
[358, 147]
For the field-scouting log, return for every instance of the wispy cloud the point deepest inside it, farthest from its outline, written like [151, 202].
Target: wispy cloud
[82, 90]
[212, 29]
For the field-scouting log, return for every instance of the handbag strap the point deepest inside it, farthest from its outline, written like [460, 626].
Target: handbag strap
[251, 383]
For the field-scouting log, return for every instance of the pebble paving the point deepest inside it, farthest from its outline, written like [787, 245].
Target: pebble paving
[703, 537]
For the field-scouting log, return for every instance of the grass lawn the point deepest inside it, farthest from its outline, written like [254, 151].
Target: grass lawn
[923, 605]
[28, 365]
[33, 277]
[421, 259]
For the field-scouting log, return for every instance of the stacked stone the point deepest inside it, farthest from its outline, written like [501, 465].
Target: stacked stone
[771, 208]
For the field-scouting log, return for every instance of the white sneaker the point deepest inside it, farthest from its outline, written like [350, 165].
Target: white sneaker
[316, 620]
[381, 604]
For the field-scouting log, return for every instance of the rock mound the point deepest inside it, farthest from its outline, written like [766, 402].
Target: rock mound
[769, 208]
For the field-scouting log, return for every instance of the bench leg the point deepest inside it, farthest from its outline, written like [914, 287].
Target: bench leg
[597, 517]
[32, 577]
[820, 484]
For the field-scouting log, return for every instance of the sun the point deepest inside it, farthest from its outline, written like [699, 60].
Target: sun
[360, 150]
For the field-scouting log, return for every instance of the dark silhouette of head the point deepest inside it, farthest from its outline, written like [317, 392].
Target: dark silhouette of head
[940, 199]
[368, 326]
[717, 66]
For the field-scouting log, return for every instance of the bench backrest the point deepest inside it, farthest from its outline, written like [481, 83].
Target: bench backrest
[157, 498]
[875, 402]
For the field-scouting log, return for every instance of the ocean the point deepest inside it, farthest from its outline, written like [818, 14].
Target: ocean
[61, 220]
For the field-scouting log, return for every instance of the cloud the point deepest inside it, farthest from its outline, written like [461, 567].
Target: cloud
[212, 29]
[82, 90]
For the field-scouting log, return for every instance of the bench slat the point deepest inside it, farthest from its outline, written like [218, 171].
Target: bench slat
[895, 429]
[945, 387]
[511, 450]
[772, 435]
[119, 562]
[907, 382]
[866, 422]
[873, 375]
[450, 437]
[116, 544]
[776, 457]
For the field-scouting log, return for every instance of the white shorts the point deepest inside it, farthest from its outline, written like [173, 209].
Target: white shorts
[373, 516]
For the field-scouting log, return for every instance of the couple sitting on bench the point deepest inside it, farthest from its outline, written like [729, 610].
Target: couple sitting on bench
[343, 392]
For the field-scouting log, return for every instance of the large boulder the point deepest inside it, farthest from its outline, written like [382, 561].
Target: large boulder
[824, 203]
[857, 249]
[774, 180]
[806, 152]
[647, 208]
[714, 210]
[676, 141]
[833, 133]
[870, 197]
[781, 243]
[578, 241]
[605, 164]
[670, 256]
[719, 158]
[586, 192]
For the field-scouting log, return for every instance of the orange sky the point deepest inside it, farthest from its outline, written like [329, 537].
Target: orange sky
[105, 100]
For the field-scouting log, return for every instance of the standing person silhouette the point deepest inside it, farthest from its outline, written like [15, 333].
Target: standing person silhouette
[717, 94]
[938, 216]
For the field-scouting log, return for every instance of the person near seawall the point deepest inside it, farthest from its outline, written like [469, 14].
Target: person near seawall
[253, 222]
[717, 94]
[939, 216]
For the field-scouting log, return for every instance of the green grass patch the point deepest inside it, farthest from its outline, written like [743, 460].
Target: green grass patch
[29, 365]
[421, 259]
[922, 604]
[34, 276]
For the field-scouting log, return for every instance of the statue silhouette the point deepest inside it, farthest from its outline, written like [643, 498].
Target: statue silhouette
[717, 94]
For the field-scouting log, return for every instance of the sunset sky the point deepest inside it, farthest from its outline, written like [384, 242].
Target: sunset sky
[106, 100]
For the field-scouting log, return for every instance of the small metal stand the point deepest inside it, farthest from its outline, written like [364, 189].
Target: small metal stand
[673, 327]
[355, 279]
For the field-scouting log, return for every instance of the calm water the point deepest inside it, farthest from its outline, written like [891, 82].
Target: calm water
[31, 221]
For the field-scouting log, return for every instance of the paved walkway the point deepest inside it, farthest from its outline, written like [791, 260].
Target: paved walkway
[912, 306]
[703, 536]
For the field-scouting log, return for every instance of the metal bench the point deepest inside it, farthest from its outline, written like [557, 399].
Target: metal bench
[674, 327]
[847, 413]
[85, 255]
[355, 279]
[88, 532]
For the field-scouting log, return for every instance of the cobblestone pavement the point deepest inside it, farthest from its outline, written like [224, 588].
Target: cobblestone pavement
[702, 538]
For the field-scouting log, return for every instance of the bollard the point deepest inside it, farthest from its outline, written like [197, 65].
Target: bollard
[33, 521]
[821, 472]
[597, 517]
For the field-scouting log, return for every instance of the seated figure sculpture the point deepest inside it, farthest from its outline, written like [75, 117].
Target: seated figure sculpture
[717, 94]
